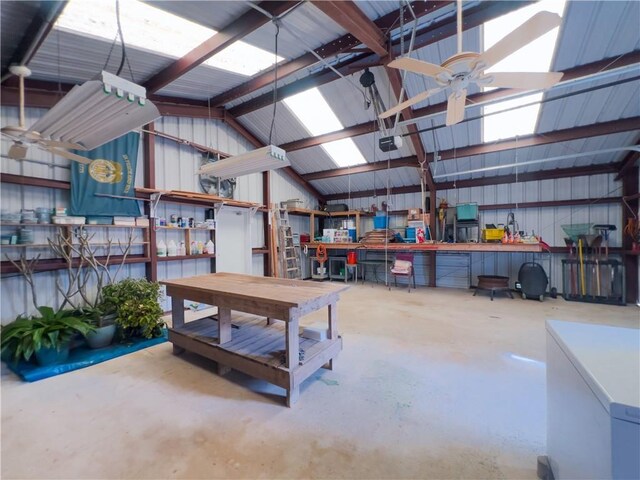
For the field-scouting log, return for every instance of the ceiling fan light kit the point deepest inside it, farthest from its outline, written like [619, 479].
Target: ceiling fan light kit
[254, 161]
[96, 112]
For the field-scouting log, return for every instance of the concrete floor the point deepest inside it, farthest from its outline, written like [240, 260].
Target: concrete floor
[431, 384]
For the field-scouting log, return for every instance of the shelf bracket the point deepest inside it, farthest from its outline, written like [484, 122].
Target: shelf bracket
[218, 207]
[154, 199]
[252, 211]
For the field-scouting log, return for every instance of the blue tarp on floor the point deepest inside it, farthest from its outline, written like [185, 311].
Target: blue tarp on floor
[82, 357]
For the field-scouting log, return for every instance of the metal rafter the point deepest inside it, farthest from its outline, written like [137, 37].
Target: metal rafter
[237, 29]
[369, 127]
[353, 20]
[329, 50]
[485, 11]
[628, 162]
[497, 180]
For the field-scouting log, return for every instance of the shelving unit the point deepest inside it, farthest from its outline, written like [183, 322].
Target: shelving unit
[186, 257]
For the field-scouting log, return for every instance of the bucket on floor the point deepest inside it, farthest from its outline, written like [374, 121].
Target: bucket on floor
[352, 258]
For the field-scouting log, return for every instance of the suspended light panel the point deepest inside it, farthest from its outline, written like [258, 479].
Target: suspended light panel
[254, 161]
[97, 112]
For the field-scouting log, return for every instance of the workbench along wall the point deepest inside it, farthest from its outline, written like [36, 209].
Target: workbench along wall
[545, 221]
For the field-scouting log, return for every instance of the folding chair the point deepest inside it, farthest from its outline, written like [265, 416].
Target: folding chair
[403, 267]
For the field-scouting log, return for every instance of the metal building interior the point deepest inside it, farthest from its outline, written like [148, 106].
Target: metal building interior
[433, 381]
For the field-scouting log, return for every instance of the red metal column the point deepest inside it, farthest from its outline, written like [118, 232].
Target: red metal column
[630, 189]
[150, 182]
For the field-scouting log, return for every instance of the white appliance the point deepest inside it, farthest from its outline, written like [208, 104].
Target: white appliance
[593, 401]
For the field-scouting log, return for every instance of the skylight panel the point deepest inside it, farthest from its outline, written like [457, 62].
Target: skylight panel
[316, 115]
[159, 31]
[534, 57]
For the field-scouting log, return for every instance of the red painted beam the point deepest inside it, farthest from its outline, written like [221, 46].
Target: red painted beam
[353, 20]
[485, 11]
[328, 50]
[236, 30]
[496, 180]
[551, 203]
[628, 162]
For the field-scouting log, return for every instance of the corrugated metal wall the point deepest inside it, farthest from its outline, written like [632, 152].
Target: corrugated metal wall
[545, 221]
[175, 167]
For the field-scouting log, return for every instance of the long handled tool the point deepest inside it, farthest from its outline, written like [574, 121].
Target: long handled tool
[583, 286]
[595, 252]
[569, 242]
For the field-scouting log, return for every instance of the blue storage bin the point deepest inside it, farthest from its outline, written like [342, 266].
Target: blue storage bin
[380, 222]
[411, 233]
[467, 211]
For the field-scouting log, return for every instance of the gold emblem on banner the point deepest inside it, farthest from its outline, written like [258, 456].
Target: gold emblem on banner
[105, 171]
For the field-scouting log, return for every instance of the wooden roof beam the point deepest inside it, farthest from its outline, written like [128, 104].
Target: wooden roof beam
[236, 30]
[496, 180]
[349, 16]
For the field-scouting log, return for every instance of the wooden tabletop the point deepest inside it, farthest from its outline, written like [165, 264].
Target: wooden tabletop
[274, 291]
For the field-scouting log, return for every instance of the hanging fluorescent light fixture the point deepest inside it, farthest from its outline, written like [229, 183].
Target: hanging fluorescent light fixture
[254, 161]
[96, 112]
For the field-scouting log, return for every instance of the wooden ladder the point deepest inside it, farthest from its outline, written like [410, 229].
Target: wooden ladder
[288, 252]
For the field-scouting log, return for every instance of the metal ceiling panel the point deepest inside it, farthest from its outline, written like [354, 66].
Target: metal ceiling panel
[310, 160]
[595, 30]
[203, 82]
[611, 103]
[15, 18]
[74, 58]
[539, 152]
[311, 27]
[287, 127]
[216, 15]
[396, 177]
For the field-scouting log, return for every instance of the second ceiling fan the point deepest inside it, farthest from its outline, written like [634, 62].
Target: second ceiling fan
[464, 68]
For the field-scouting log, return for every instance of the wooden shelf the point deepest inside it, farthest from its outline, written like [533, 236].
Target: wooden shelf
[186, 257]
[97, 244]
[64, 225]
[167, 227]
[307, 212]
[196, 198]
[49, 264]
[259, 251]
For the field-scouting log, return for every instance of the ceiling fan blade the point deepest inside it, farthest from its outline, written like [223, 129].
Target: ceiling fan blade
[68, 155]
[455, 107]
[418, 66]
[407, 103]
[536, 26]
[58, 144]
[524, 80]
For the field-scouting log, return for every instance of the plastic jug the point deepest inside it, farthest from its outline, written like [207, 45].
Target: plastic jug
[172, 249]
[161, 248]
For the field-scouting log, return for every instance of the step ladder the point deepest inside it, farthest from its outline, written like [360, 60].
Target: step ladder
[288, 252]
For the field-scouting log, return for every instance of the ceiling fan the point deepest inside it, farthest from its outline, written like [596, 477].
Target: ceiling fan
[464, 68]
[22, 138]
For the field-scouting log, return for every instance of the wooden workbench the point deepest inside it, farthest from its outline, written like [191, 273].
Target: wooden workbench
[437, 247]
[259, 346]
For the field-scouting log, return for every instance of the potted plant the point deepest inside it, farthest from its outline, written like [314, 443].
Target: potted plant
[137, 306]
[46, 336]
[104, 323]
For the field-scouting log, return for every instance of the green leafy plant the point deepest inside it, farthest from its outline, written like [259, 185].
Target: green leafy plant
[99, 316]
[26, 335]
[136, 303]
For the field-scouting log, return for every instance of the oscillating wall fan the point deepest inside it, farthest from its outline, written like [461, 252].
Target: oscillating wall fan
[457, 72]
[22, 138]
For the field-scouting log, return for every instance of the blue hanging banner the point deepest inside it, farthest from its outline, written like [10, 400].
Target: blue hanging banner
[111, 172]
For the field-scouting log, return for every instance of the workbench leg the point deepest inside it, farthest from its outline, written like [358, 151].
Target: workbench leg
[293, 393]
[224, 325]
[269, 321]
[333, 321]
[328, 365]
[177, 318]
[223, 369]
[293, 343]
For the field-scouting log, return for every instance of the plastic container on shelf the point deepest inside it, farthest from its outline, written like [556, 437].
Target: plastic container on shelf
[161, 248]
[172, 249]
[467, 211]
[210, 248]
[380, 221]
